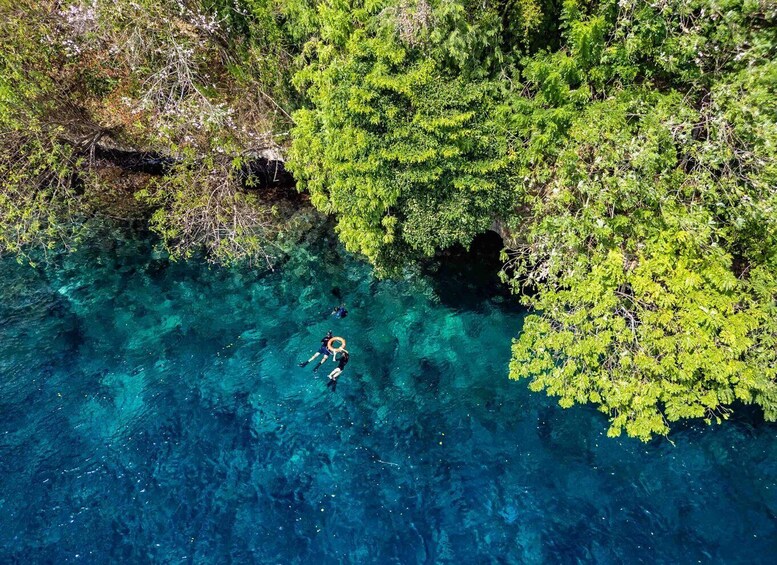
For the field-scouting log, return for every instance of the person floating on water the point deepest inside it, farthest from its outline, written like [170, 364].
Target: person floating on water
[340, 311]
[323, 350]
[339, 369]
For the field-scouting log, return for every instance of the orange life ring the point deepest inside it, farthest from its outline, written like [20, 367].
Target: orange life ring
[335, 349]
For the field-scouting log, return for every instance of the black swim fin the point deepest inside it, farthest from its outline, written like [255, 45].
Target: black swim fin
[304, 363]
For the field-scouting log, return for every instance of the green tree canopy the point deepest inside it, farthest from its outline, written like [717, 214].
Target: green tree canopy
[405, 141]
[627, 150]
[650, 237]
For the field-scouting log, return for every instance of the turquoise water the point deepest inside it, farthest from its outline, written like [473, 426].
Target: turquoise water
[155, 412]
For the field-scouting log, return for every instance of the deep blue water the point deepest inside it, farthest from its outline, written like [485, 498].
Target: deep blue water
[155, 412]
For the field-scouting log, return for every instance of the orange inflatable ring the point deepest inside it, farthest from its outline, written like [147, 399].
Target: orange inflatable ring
[336, 349]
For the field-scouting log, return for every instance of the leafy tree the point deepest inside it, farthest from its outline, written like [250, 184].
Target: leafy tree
[650, 241]
[37, 195]
[403, 140]
[627, 151]
[78, 74]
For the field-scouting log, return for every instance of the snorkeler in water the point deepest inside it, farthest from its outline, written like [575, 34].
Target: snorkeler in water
[323, 350]
[333, 376]
[340, 311]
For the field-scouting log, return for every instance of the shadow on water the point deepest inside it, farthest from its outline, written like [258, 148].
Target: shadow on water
[748, 420]
[464, 279]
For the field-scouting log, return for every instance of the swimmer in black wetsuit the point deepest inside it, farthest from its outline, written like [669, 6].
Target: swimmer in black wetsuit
[339, 369]
[323, 350]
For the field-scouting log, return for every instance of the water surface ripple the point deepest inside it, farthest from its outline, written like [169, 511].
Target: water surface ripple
[154, 412]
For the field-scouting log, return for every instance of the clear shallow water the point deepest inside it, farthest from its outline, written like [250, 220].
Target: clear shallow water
[155, 412]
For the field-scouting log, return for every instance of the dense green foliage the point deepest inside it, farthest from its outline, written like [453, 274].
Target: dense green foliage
[202, 84]
[31, 152]
[626, 151]
[651, 237]
[405, 140]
